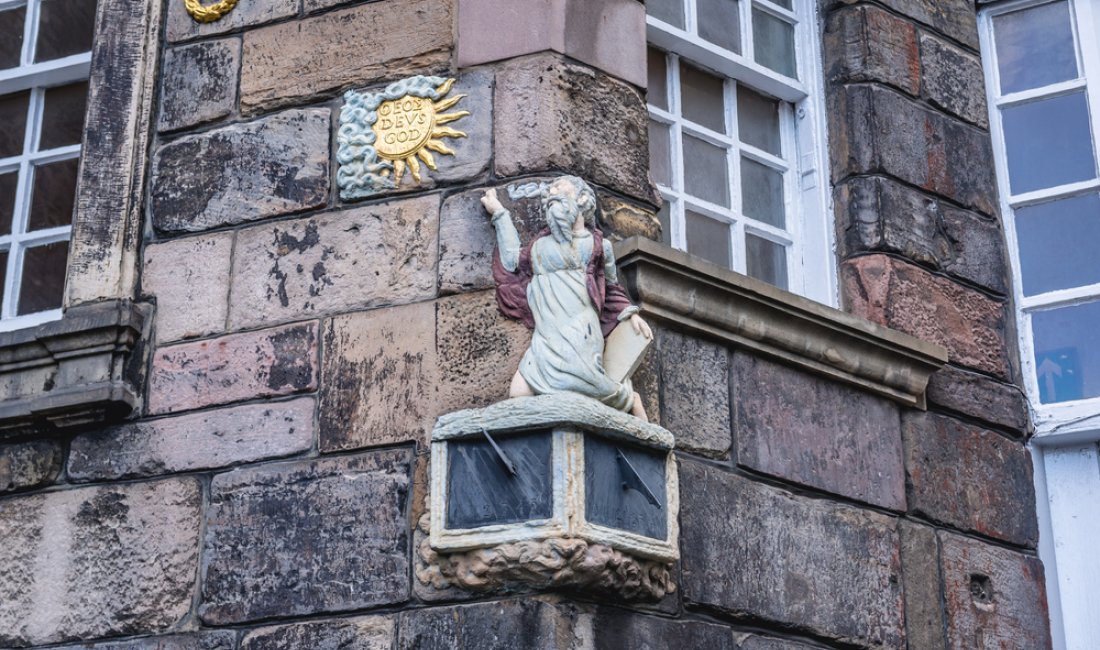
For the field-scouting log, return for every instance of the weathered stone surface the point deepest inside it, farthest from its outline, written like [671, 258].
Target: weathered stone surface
[994, 598]
[367, 633]
[621, 219]
[624, 631]
[479, 350]
[216, 438]
[969, 478]
[815, 432]
[243, 172]
[920, 561]
[866, 43]
[695, 393]
[198, 83]
[526, 624]
[879, 131]
[977, 396]
[220, 640]
[190, 280]
[379, 381]
[880, 214]
[952, 79]
[97, 561]
[337, 261]
[246, 14]
[291, 62]
[27, 465]
[954, 18]
[753, 550]
[551, 114]
[265, 363]
[305, 537]
[902, 296]
[765, 643]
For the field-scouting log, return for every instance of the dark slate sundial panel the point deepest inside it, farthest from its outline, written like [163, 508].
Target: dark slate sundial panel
[615, 487]
[482, 491]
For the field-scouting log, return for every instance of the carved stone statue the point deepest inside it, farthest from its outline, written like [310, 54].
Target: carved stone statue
[564, 285]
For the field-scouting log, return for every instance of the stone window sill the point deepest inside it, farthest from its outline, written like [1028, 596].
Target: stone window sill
[696, 296]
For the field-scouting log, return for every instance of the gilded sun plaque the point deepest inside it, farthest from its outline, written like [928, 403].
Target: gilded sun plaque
[384, 134]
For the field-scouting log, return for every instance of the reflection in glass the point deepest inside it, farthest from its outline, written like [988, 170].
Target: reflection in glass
[1048, 143]
[65, 27]
[13, 122]
[720, 23]
[670, 11]
[705, 174]
[63, 115]
[660, 148]
[758, 120]
[762, 189]
[701, 98]
[1058, 244]
[8, 183]
[1067, 358]
[766, 260]
[656, 63]
[707, 238]
[43, 280]
[11, 36]
[1035, 47]
[773, 40]
[54, 194]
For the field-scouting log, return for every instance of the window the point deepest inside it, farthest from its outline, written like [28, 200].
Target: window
[45, 53]
[735, 137]
[1042, 66]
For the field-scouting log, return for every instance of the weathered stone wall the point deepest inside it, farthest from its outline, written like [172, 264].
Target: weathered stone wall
[269, 495]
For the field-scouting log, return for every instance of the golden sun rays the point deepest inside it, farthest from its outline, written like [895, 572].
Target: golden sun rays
[409, 128]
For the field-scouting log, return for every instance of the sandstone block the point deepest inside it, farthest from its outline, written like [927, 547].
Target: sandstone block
[265, 363]
[198, 83]
[879, 214]
[811, 431]
[920, 561]
[379, 381]
[190, 280]
[526, 624]
[246, 14]
[28, 465]
[295, 61]
[969, 478]
[367, 633]
[753, 550]
[622, 219]
[866, 43]
[765, 643]
[243, 172]
[1002, 405]
[205, 440]
[306, 537]
[904, 297]
[695, 393]
[954, 18]
[623, 631]
[551, 114]
[952, 79]
[993, 597]
[337, 261]
[97, 561]
[221, 640]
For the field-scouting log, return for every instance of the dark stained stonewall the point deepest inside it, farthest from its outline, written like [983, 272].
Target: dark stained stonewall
[867, 43]
[29, 464]
[969, 478]
[220, 640]
[954, 18]
[695, 393]
[198, 83]
[367, 633]
[953, 80]
[920, 562]
[764, 643]
[622, 631]
[527, 624]
[977, 396]
[818, 433]
[305, 537]
[756, 551]
[239, 173]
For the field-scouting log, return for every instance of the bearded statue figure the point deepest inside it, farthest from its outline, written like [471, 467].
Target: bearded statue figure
[563, 285]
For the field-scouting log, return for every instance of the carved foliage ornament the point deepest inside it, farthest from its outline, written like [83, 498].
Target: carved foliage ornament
[384, 133]
[208, 13]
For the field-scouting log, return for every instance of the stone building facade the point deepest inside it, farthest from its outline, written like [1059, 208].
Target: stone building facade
[222, 443]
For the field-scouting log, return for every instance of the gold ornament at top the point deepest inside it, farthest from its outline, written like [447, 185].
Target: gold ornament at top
[409, 128]
[208, 13]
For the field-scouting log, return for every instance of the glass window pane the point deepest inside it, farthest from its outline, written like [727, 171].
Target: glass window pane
[1067, 359]
[43, 279]
[720, 23]
[54, 194]
[63, 115]
[13, 122]
[762, 191]
[65, 27]
[660, 149]
[766, 260]
[758, 120]
[1058, 243]
[670, 11]
[1048, 143]
[701, 98]
[665, 217]
[1035, 47]
[657, 94]
[8, 183]
[705, 171]
[707, 238]
[11, 36]
[786, 4]
[773, 40]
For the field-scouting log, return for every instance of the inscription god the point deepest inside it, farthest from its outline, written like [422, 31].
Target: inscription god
[404, 125]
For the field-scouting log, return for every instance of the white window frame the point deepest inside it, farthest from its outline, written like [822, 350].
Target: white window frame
[811, 258]
[35, 77]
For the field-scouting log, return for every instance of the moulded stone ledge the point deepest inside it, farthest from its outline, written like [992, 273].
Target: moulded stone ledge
[697, 296]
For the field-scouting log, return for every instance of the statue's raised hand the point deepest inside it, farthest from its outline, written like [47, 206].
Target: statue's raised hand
[491, 202]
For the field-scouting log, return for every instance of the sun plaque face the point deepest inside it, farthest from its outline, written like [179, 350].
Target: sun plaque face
[409, 128]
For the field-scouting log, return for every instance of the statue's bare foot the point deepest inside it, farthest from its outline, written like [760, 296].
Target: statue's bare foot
[519, 387]
[638, 409]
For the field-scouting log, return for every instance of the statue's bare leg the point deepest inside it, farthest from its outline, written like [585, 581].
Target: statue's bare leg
[519, 387]
[638, 409]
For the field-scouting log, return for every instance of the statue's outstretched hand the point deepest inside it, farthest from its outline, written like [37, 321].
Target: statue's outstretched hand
[641, 327]
[491, 202]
